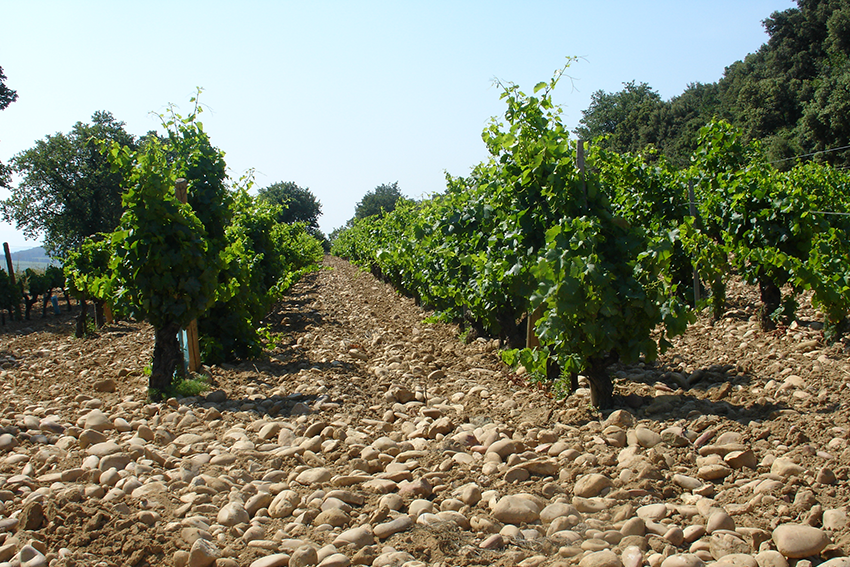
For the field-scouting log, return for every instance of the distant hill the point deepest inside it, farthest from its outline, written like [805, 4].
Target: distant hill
[34, 258]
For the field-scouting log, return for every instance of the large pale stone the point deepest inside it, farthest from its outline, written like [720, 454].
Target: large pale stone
[516, 509]
[604, 558]
[797, 541]
[203, 554]
[233, 513]
[591, 485]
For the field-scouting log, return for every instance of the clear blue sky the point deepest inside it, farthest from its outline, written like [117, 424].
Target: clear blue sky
[341, 97]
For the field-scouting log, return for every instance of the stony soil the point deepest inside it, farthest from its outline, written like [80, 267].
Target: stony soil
[368, 436]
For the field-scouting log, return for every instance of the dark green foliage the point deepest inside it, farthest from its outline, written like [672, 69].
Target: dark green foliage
[10, 295]
[69, 190]
[793, 95]
[528, 230]
[7, 97]
[382, 199]
[297, 204]
[263, 258]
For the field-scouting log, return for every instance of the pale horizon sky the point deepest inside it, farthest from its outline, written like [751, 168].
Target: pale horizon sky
[340, 97]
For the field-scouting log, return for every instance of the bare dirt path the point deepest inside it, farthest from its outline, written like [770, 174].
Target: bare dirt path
[368, 436]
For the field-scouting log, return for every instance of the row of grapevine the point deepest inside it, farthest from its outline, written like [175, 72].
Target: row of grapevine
[220, 259]
[606, 253]
[31, 285]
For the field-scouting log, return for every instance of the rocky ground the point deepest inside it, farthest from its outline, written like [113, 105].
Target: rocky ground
[369, 437]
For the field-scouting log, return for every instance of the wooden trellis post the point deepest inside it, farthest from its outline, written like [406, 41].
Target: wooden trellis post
[189, 335]
[11, 267]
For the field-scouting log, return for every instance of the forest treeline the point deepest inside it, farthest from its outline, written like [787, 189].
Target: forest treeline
[793, 95]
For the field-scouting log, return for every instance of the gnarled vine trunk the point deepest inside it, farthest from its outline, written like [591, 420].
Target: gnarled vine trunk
[771, 300]
[166, 359]
[601, 386]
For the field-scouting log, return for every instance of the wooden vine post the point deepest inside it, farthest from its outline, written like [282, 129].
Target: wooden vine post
[11, 267]
[189, 335]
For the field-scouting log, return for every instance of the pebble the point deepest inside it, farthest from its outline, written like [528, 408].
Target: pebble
[311, 475]
[516, 509]
[797, 541]
[274, 560]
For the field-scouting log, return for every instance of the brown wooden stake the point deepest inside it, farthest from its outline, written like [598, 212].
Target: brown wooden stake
[531, 339]
[11, 267]
[192, 343]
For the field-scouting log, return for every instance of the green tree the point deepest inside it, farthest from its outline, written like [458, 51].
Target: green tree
[69, 190]
[380, 200]
[7, 97]
[298, 204]
[628, 119]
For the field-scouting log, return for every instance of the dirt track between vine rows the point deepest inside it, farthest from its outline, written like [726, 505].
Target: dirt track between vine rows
[367, 418]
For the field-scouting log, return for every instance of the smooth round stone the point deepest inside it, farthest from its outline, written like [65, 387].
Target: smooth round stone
[836, 562]
[675, 536]
[591, 485]
[91, 437]
[495, 541]
[516, 509]
[395, 526]
[693, 533]
[203, 553]
[317, 475]
[632, 556]
[284, 504]
[620, 418]
[103, 449]
[785, 468]
[233, 513]
[335, 560]
[634, 527]
[97, 420]
[333, 517]
[834, 519]
[724, 542]
[797, 541]
[556, 510]
[772, 558]
[719, 520]
[503, 448]
[304, 556]
[652, 512]
[604, 558]
[276, 560]
[713, 472]
[358, 537]
[31, 557]
[7, 442]
[741, 459]
[646, 437]
[592, 505]
[683, 560]
[740, 560]
[687, 482]
[826, 476]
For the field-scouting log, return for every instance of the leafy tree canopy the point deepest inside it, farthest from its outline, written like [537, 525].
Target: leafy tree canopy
[793, 94]
[69, 190]
[7, 97]
[298, 204]
[380, 200]
[627, 118]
